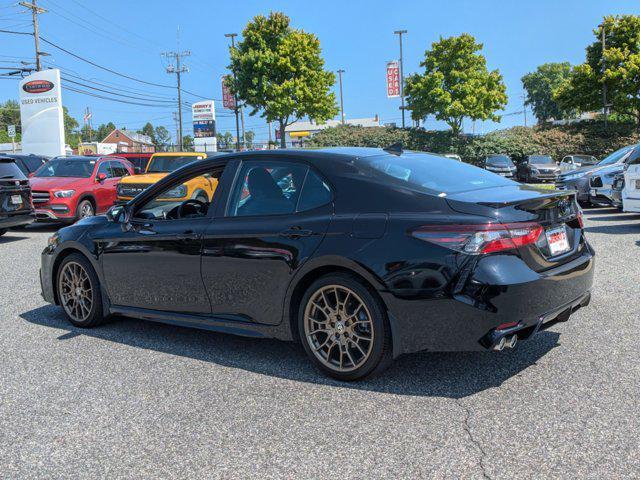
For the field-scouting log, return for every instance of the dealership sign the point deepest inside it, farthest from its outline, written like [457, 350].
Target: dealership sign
[228, 99]
[41, 113]
[393, 79]
[204, 126]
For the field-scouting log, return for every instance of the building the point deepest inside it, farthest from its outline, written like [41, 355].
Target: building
[128, 141]
[297, 133]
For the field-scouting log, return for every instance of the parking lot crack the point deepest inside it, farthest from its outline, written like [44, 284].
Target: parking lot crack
[466, 425]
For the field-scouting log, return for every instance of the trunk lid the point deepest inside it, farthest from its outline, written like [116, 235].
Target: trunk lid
[15, 197]
[557, 212]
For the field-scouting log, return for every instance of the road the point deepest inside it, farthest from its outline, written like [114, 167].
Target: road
[132, 399]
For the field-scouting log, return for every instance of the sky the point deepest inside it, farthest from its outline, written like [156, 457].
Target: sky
[128, 36]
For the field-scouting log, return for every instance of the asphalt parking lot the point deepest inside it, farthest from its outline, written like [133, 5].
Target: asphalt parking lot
[132, 399]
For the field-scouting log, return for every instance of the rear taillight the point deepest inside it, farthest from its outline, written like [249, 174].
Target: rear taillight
[580, 218]
[480, 239]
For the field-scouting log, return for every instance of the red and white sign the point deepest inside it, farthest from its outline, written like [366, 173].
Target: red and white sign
[393, 79]
[228, 100]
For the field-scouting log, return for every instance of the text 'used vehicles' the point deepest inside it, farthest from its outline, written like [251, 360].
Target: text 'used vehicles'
[359, 254]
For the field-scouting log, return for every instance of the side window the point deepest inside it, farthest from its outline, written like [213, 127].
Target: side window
[33, 163]
[119, 169]
[104, 168]
[315, 193]
[175, 202]
[267, 188]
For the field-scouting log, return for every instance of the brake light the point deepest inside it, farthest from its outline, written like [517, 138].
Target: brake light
[580, 218]
[480, 239]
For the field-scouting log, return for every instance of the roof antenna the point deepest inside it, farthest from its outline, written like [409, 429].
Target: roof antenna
[395, 149]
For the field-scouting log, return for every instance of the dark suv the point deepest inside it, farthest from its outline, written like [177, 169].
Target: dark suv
[27, 163]
[538, 168]
[15, 196]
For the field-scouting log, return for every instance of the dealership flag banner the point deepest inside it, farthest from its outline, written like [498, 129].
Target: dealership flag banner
[393, 79]
[203, 115]
[228, 100]
[41, 113]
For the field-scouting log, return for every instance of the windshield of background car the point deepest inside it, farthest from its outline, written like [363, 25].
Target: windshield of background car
[8, 169]
[67, 167]
[169, 163]
[541, 159]
[500, 160]
[429, 174]
[585, 159]
[616, 156]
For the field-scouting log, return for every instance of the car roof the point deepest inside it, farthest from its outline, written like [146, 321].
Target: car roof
[183, 154]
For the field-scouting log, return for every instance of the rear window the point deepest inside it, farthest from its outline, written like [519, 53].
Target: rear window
[499, 160]
[430, 174]
[169, 163]
[8, 169]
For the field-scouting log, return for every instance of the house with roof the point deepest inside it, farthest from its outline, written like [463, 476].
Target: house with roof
[128, 141]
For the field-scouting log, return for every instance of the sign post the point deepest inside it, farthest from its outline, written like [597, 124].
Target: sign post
[11, 131]
[41, 113]
[393, 79]
[204, 126]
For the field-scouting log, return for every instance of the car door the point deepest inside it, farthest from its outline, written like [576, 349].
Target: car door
[102, 188]
[632, 179]
[118, 171]
[566, 164]
[276, 215]
[153, 261]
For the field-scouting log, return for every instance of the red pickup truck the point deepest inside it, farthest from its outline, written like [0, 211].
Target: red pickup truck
[66, 189]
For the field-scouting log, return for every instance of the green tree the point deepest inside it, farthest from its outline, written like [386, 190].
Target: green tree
[280, 73]
[249, 137]
[225, 140]
[103, 130]
[455, 84]
[9, 113]
[163, 137]
[541, 86]
[618, 68]
[187, 142]
[149, 132]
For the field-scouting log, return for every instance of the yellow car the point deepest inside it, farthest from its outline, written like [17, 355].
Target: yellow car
[162, 164]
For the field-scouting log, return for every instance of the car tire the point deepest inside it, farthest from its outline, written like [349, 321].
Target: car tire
[85, 209]
[344, 328]
[3, 231]
[78, 289]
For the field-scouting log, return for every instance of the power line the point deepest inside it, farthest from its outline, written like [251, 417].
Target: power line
[116, 93]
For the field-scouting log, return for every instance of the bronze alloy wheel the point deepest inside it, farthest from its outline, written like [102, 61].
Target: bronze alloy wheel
[339, 328]
[76, 292]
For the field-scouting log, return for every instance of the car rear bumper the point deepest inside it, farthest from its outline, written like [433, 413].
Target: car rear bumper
[504, 291]
[16, 220]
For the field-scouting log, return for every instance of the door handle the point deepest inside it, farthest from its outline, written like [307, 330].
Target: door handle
[296, 232]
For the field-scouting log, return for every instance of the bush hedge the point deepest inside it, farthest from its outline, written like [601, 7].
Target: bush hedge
[589, 138]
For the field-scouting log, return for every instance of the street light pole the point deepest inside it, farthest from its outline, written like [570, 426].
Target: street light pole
[400, 33]
[340, 72]
[233, 36]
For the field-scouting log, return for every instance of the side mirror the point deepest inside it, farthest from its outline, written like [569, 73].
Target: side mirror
[137, 170]
[101, 177]
[118, 214]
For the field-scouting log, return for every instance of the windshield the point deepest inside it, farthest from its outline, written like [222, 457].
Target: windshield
[616, 156]
[78, 167]
[501, 160]
[429, 173]
[169, 163]
[10, 170]
[585, 159]
[541, 159]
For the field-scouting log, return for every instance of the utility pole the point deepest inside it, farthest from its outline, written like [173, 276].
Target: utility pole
[269, 147]
[35, 10]
[340, 72]
[605, 109]
[178, 69]
[233, 36]
[400, 33]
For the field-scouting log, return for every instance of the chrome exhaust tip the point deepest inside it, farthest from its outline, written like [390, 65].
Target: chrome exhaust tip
[498, 347]
[511, 341]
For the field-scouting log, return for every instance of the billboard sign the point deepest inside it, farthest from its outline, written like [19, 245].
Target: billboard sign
[393, 79]
[204, 126]
[41, 113]
[228, 100]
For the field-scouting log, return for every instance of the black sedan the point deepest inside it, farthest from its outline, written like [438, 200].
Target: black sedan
[361, 255]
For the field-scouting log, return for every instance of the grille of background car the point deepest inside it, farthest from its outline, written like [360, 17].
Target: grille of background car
[132, 189]
[40, 197]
